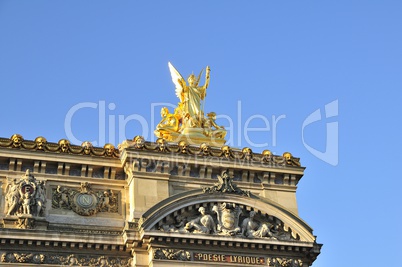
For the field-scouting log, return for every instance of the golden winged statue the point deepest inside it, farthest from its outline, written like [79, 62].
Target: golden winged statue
[188, 121]
[190, 94]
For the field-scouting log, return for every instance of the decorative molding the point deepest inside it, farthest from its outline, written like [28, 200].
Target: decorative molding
[172, 254]
[284, 262]
[65, 260]
[225, 185]
[16, 141]
[204, 150]
[25, 223]
[83, 231]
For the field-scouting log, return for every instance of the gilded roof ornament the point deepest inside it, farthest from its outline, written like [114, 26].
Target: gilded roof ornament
[16, 141]
[188, 122]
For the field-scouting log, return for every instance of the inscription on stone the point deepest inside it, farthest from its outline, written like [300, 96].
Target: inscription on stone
[226, 258]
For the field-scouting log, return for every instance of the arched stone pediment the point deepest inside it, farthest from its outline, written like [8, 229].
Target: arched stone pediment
[225, 214]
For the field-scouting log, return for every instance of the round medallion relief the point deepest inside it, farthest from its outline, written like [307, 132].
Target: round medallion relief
[85, 200]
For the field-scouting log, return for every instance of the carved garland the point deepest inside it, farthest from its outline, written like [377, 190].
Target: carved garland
[64, 260]
[63, 146]
[204, 150]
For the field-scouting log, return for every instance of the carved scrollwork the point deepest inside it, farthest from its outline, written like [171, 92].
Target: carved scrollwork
[85, 201]
[64, 260]
[225, 185]
[171, 254]
[25, 223]
[23, 258]
[284, 262]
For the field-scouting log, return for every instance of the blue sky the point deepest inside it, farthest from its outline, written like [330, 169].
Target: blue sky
[271, 61]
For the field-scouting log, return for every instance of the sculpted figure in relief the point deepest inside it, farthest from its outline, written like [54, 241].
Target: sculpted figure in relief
[229, 221]
[40, 198]
[253, 229]
[26, 196]
[12, 197]
[27, 202]
[203, 224]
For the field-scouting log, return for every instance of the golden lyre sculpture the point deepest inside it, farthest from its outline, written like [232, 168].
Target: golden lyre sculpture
[188, 122]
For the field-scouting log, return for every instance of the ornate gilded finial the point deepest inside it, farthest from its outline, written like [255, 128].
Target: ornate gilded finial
[139, 142]
[161, 145]
[227, 152]
[16, 140]
[288, 159]
[247, 153]
[40, 142]
[205, 149]
[109, 150]
[64, 145]
[87, 147]
[287, 155]
[188, 122]
[183, 147]
[267, 156]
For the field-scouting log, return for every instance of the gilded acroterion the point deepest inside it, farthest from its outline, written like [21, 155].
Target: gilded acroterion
[188, 122]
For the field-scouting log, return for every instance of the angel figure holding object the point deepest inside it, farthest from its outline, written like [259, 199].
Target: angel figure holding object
[188, 122]
[190, 94]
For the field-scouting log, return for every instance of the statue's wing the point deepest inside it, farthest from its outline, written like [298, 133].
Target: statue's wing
[177, 80]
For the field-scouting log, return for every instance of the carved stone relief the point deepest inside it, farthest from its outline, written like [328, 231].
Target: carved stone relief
[284, 262]
[26, 196]
[226, 219]
[65, 260]
[171, 254]
[225, 185]
[25, 223]
[85, 201]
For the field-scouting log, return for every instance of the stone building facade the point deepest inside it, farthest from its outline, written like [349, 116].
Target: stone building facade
[149, 204]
